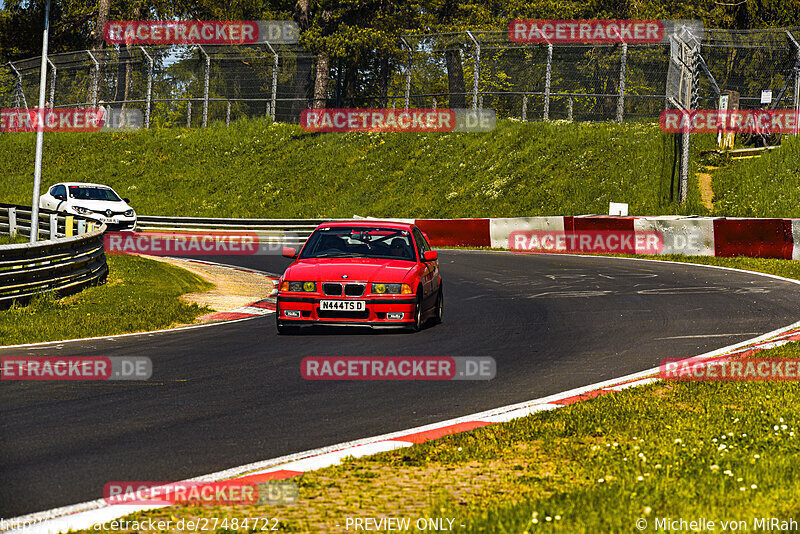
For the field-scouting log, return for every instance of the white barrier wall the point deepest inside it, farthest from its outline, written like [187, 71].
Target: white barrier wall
[692, 237]
[499, 229]
[796, 239]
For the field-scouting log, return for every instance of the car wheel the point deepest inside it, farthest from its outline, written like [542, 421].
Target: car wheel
[437, 318]
[417, 326]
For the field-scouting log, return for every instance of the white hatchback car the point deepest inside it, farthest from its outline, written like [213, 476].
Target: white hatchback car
[93, 201]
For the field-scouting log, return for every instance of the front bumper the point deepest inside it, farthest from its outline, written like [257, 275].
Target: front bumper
[123, 223]
[376, 314]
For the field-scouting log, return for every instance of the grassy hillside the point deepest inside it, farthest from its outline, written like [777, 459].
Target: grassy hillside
[765, 186]
[259, 169]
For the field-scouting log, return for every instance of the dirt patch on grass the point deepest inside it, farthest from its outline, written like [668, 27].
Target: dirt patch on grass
[233, 288]
[706, 192]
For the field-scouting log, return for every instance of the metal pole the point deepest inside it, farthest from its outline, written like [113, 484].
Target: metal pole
[228, 113]
[188, 113]
[547, 81]
[205, 89]
[477, 71]
[622, 67]
[52, 84]
[408, 71]
[796, 104]
[19, 84]
[524, 108]
[434, 102]
[569, 109]
[37, 173]
[149, 96]
[96, 78]
[274, 95]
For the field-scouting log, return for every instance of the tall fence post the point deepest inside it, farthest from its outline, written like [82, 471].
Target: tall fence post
[434, 102]
[622, 68]
[228, 113]
[547, 73]
[477, 71]
[569, 109]
[52, 83]
[524, 108]
[95, 78]
[205, 87]
[18, 90]
[149, 96]
[796, 103]
[12, 222]
[408, 70]
[188, 113]
[53, 225]
[274, 93]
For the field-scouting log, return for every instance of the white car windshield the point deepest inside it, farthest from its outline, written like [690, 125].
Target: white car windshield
[92, 193]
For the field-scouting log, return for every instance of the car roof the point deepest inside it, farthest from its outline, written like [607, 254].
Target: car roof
[83, 184]
[369, 223]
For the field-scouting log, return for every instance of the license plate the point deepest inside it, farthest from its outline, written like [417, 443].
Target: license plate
[342, 305]
[110, 220]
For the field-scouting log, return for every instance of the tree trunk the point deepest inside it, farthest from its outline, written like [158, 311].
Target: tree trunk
[455, 78]
[302, 87]
[383, 80]
[103, 8]
[321, 80]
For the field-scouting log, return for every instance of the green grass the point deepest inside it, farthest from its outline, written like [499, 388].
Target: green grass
[258, 169]
[140, 295]
[768, 186]
[6, 239]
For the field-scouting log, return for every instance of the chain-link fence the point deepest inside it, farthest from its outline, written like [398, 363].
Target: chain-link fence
[191, 85]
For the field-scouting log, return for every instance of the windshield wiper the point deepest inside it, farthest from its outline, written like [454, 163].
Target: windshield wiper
[338, 255]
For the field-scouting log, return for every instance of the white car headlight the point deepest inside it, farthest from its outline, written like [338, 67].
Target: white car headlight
[81, 211]
[129, 213]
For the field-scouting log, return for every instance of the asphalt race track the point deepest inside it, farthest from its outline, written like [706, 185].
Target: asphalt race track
[232, 394]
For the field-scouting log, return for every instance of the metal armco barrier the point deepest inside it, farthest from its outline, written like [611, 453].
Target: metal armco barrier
[64, 264]
[291, 231]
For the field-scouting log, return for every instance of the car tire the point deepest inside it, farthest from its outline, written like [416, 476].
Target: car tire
[437, 317]
[418, 323]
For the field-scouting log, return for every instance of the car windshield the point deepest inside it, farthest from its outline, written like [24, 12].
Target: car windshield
[92, 193]
[359, 242]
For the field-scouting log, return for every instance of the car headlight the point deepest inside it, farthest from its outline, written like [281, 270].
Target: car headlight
[81, 211]
[391, 289]
[129, 213]
[308, 287]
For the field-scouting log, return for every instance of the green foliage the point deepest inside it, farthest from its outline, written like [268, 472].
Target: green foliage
[258, 169]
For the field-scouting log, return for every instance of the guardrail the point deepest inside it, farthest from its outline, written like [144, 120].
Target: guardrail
[290, 231]
[64, 263]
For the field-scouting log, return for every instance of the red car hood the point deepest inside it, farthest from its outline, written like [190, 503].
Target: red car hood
[356, 269]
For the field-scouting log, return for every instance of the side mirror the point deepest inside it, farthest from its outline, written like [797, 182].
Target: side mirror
[289, 252]
[60, 197]
[126, 200]
[430, 255]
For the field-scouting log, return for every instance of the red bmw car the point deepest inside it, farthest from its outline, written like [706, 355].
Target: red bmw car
[362, 273]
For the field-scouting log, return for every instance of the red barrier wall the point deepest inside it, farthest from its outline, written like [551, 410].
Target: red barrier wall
[761, 238]
[456, 232]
